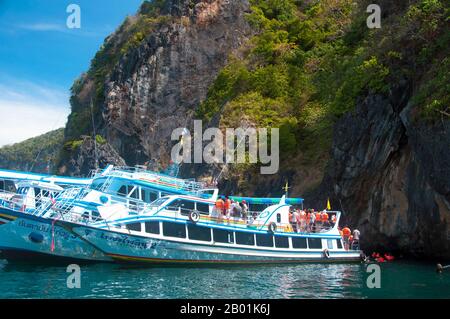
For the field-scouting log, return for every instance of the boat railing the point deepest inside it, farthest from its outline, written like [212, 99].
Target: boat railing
[24, 202]
[250, 222]
[189, 185]
[71, 205]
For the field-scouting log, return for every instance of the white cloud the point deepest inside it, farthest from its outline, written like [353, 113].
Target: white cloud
[29, 109]
[42, 27]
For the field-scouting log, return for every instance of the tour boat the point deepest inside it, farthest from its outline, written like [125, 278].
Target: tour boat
[187, 229]
[33, 233]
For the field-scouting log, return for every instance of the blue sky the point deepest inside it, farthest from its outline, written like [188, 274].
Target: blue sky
[40, 57]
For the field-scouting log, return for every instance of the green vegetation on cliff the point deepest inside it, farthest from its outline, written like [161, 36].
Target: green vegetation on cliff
[33, 154]
[312, 60]
[127, 37]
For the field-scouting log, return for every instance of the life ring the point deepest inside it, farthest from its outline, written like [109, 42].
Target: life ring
[194, 217]
[272, 227]
[326, 253]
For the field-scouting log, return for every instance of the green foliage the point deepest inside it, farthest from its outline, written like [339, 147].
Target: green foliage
[311, 61]
[35, 152]
[72, 145]
[434, 95]
[100, 139]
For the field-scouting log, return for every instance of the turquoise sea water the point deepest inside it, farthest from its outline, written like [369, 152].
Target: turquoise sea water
[399, 279]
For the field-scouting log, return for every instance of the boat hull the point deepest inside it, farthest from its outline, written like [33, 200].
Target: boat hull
[28, 237]
[139, 249]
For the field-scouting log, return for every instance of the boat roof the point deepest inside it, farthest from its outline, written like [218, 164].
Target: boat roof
[27, 176]
[42, 185]
[267, 200]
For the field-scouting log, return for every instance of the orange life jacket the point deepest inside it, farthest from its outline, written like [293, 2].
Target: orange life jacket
[318, 217]
[219, 204]
[346, 231]
[227, 204]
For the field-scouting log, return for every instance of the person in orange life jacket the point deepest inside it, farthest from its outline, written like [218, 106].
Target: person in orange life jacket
[324, 218]
[219, 207]
[346, 232]
[318, 221]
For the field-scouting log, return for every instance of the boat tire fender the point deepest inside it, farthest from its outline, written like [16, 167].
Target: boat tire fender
[194, 217]
[326, 253]
[272, 227]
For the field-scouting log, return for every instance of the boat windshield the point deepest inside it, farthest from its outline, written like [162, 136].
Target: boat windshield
[158, 202]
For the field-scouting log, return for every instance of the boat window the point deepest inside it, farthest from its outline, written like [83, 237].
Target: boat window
[199, 233]
[185, 205]
[203, 208]
[148, 196]
[281, 242]
[278, 218]
[152, 227]
[339, 244]
[97, 184]
[315, 243]
[123, 190]
[264, 240]
[96, 216]
[10, 186]
[257, 207]
[134, 194]
[245, 238]
[134, 226]
[299, 242]
[223, 236]
[330, 244]
[158, 202]
[174, 230]
[45, 193]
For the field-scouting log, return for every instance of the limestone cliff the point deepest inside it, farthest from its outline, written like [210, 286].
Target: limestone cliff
[154, 85]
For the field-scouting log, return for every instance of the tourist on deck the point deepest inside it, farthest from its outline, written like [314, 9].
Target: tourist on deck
[333, 220]
[318, 222]
[218, 208]
[227, 207]
[346, 232]
[324, 218]
[235, 209]
[312, 221]
[356, 234]
[303, 221]
[252, 218]
[293, 217]
[244, 210]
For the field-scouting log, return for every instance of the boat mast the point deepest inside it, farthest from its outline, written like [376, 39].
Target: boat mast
[95, 135]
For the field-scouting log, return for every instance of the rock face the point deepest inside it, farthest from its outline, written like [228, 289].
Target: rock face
[391, 176]
[83, 159]
[157, 86]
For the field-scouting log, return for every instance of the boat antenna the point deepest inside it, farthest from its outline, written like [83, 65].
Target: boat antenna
[95, 135]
